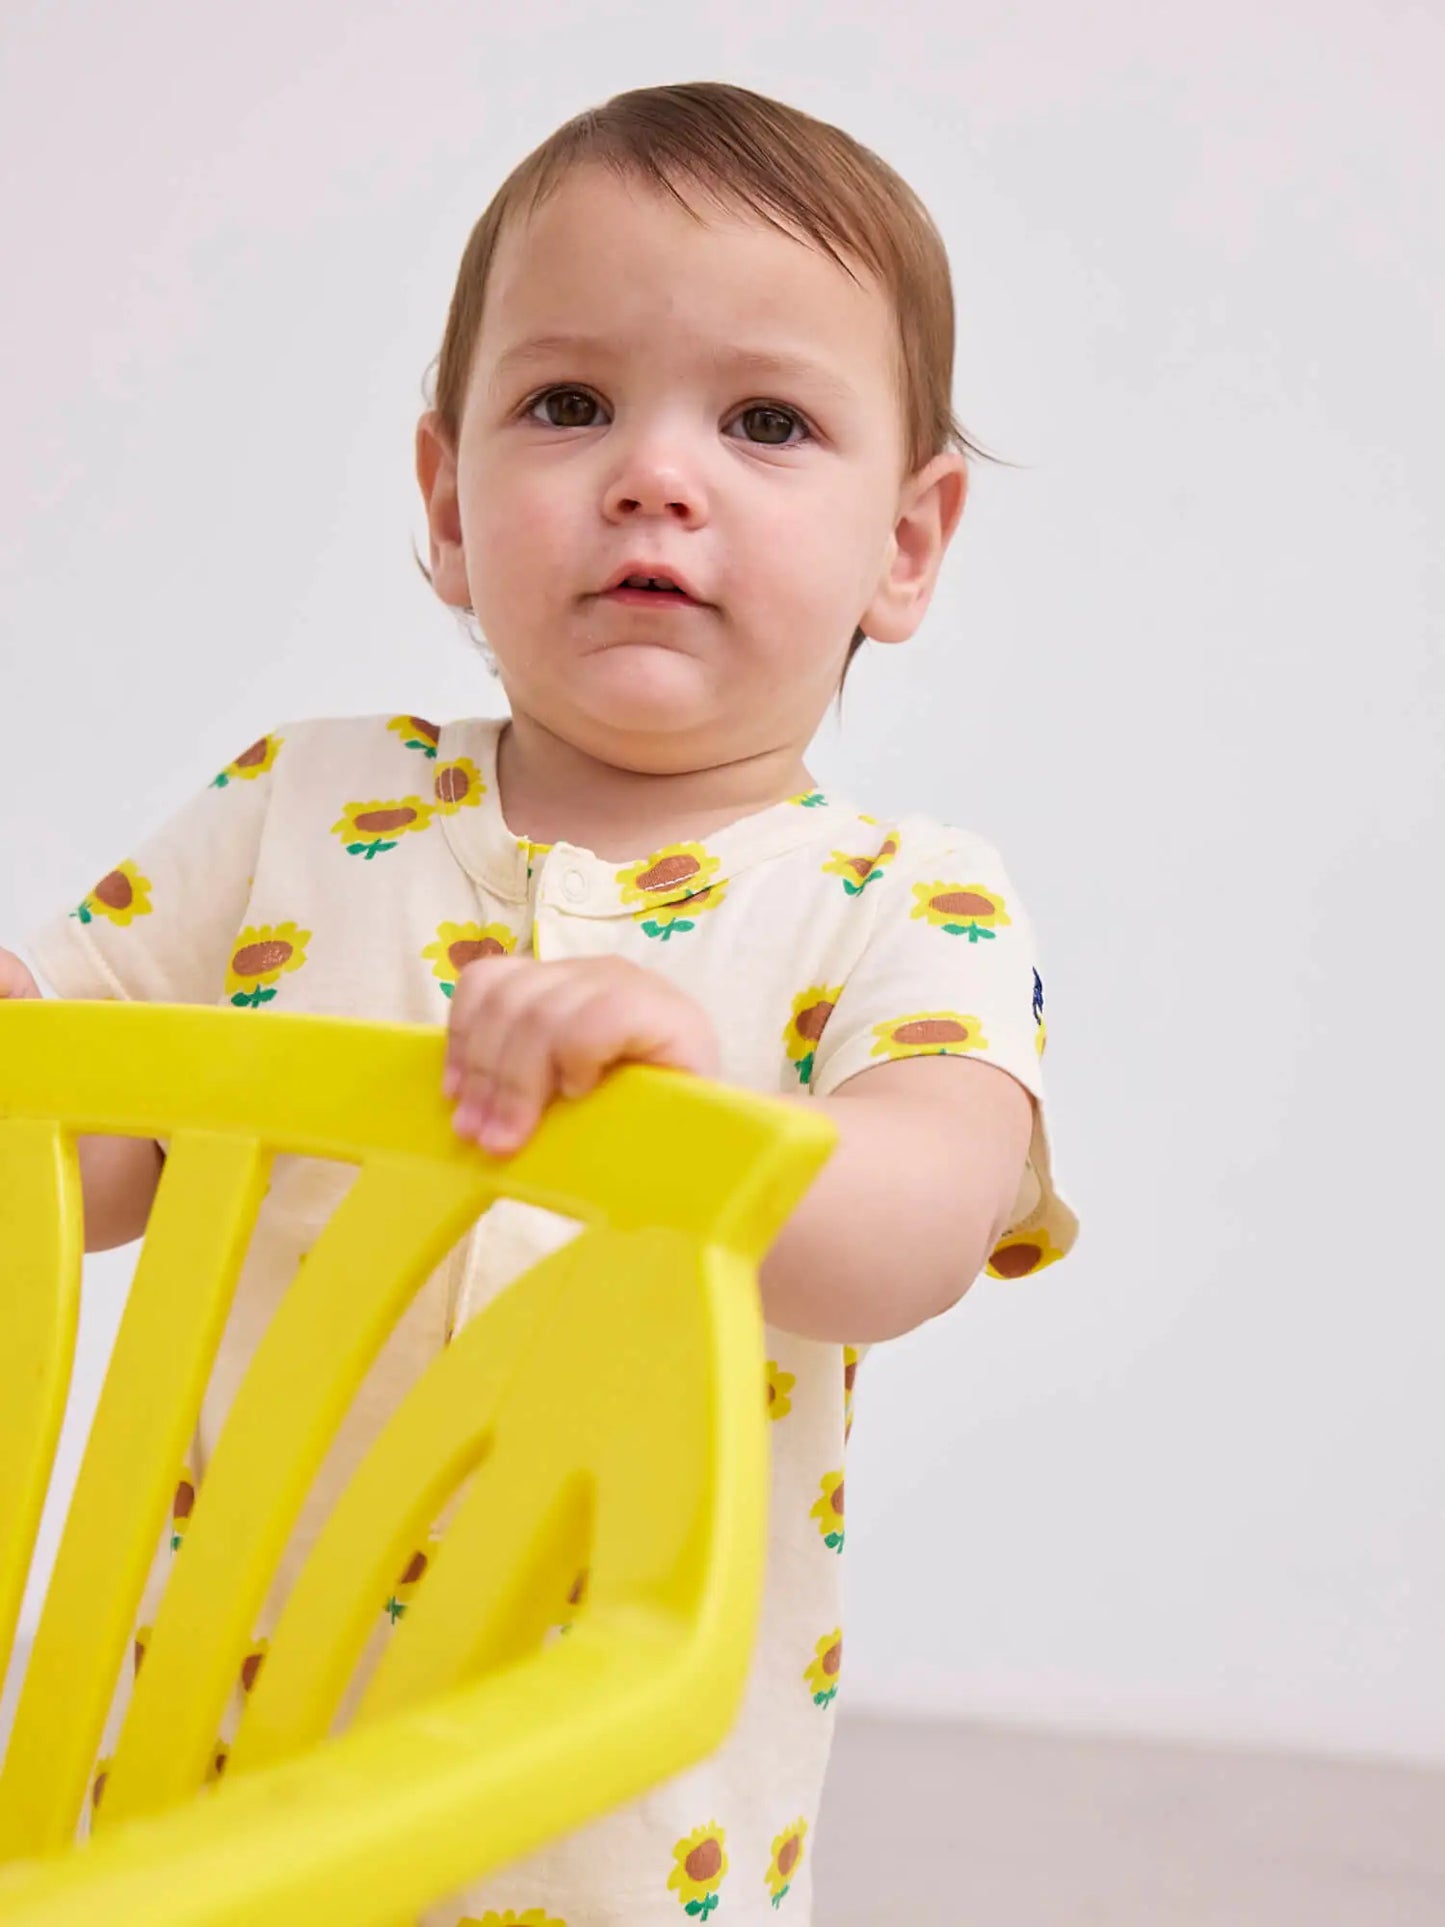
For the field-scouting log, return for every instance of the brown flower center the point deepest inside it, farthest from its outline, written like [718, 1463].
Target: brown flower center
[837, 1499]
[1015, 1261]
[383, 822]
[833, 1659]
[428, 730]
[469, 949]
[705, 1861]
[791, 1853]
[961, 903]
[184, 1500]
[452, 784]
[115, 891]
[932, 1030]
[668, 872]
[810, 1023]
[415, 1569]
[257, 959]
[249, 758]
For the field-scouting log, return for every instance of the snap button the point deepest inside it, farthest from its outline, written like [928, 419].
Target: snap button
[574, 886]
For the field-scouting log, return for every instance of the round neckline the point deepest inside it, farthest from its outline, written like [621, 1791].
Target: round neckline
[499, 860]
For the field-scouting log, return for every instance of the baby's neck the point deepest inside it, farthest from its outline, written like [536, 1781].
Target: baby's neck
[553, 792]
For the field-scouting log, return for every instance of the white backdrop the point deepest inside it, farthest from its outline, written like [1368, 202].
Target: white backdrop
[1185, 668]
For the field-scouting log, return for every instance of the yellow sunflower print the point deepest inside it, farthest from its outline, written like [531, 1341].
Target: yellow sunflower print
[929, 1033]
[675, 886]
[140, 1645]
[120, 897]
[828, 1511]
[458, 944]
[810, 800]
[962, 909]
[858, 872]
[787, 1858]
[1021, 1253]
[412, 1575]
[458, 786]
[182, 1506]
[220, 1754]
[533, 1917]
[260, 956]
[416, 734]
[371, 829]
[851, 1356]
[780, 1385]
[804, 1029]
[821, 1672]
[102, 1774]
[251, 763]
[702, 1863]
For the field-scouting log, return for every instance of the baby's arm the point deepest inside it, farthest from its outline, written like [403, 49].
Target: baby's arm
[118, 1175]
[931, 1155]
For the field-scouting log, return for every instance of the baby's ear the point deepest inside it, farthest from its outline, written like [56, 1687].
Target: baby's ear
[929, 507]
[436, 471]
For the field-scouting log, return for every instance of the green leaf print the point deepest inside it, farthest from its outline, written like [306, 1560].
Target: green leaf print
[429, 750]
[84, 913]
[781, 1895]
[369, 850]
[804, 1067]
[667, 930]
[971, 931]
[833, 1541]
[253, 998]
[221, 781]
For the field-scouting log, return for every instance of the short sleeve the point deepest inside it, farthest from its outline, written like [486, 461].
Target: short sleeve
[949, 967]
[160, 926]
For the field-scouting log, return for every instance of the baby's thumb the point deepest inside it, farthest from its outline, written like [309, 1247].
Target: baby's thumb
[15, 979]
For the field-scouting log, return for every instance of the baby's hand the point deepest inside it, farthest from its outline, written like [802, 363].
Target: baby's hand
[15, 979]
[523, 1032]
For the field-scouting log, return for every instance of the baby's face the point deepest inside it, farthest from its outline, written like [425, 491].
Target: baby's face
[716, 404]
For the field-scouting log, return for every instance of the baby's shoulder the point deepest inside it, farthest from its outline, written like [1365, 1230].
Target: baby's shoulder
[906, 845]
[376, 754]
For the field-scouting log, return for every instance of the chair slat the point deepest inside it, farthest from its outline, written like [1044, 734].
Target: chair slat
[41, 1240]
[607, 1421]
[393, 1227]
[185, 1277]
[436, 1437]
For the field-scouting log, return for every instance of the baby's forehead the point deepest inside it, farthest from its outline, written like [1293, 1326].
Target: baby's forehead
[632, 262]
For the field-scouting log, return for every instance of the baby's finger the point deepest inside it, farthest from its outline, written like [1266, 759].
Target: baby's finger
[15, 978]
[524, 1071]
[472, 1018]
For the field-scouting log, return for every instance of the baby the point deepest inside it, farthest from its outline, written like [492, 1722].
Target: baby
[692, 445]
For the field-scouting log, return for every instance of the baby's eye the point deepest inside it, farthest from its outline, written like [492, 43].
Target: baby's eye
[567, 407]
[771, 426]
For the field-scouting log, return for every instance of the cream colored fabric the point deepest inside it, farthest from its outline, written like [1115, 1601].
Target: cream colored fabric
[354, 866]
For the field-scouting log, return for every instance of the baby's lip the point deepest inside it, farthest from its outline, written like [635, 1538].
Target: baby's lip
[651, 570]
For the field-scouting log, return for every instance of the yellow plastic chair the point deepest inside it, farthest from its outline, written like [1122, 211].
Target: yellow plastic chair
[606, 1412]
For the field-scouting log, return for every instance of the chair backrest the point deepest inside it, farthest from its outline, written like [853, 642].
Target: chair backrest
[606, 1412]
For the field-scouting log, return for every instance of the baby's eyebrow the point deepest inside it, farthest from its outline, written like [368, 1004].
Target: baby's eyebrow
[753, 363]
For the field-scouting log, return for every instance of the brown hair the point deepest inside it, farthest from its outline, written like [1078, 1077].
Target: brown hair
[797, 173]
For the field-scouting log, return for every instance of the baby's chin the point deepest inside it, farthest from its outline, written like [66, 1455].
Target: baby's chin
[644, 688]
[640, 707]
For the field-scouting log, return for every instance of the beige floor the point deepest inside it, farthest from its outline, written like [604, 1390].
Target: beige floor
[950, 1825]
